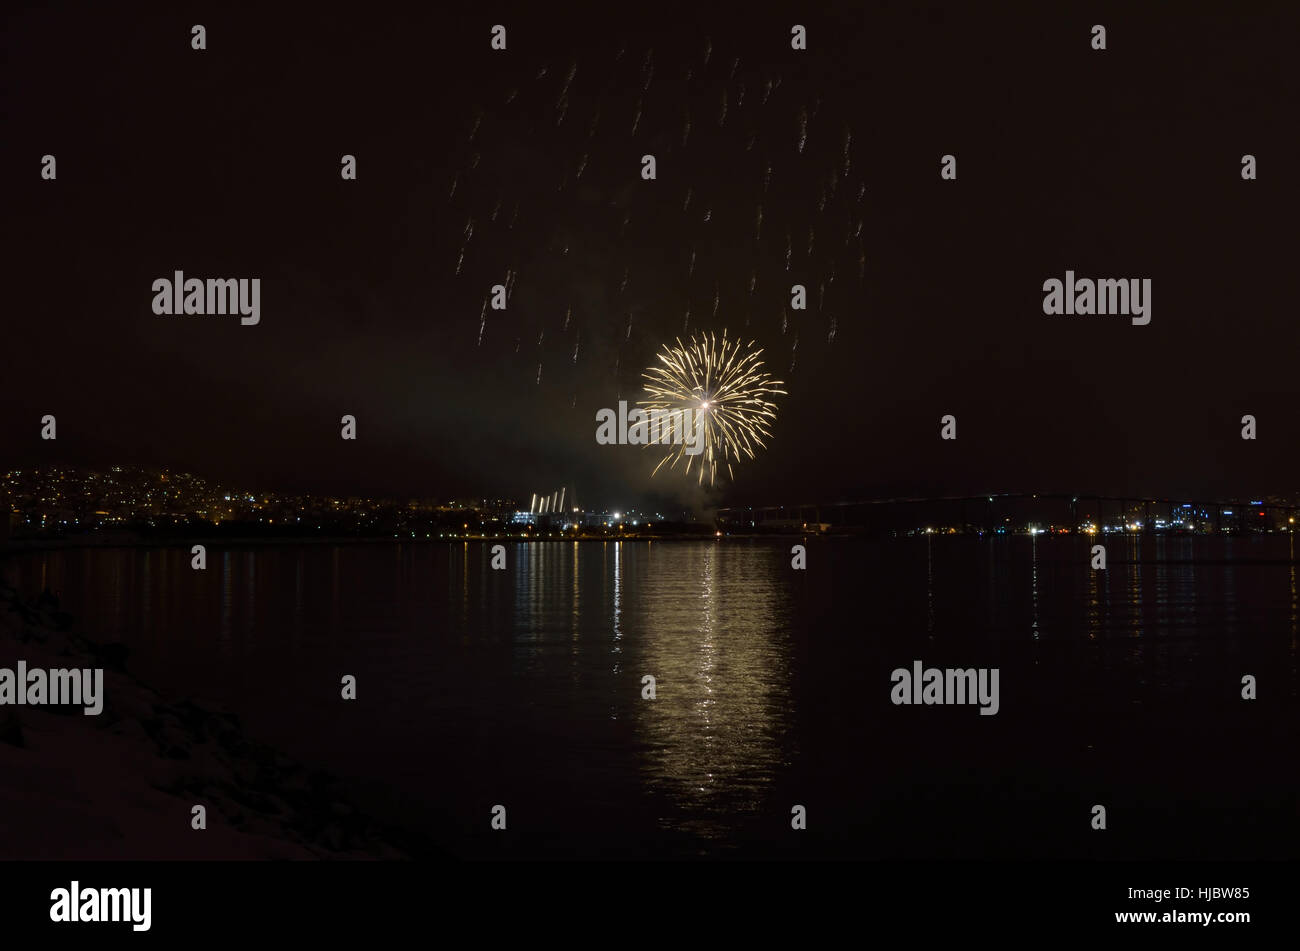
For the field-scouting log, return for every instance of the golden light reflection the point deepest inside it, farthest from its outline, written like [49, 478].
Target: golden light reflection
[713, 637]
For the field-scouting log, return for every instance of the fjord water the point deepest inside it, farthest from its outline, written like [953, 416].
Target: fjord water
[523, 687]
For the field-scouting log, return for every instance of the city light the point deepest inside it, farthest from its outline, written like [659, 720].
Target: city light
[61, 501]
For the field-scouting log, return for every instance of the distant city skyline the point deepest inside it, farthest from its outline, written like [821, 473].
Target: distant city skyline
[55, 499]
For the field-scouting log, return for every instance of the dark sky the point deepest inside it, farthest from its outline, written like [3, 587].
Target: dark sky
[225, 163]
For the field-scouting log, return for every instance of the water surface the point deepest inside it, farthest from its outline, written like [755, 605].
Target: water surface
[524, 687]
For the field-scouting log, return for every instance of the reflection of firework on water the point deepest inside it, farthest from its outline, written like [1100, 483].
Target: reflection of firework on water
[725, 387]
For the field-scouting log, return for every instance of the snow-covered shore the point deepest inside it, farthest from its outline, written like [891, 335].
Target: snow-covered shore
[123, 784]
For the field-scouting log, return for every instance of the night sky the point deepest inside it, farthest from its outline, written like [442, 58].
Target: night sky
[225, 163]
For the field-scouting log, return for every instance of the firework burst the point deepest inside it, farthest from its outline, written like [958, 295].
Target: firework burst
[725, 388]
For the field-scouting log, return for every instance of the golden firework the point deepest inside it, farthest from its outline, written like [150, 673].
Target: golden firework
[721, 387]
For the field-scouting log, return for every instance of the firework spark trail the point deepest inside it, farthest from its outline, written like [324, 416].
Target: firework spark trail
[568, 80]
[724, 384]
[829, 186]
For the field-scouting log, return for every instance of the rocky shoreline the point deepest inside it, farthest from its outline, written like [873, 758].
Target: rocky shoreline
[123, 784]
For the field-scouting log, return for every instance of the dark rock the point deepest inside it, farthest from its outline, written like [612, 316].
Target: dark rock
[111, 656]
